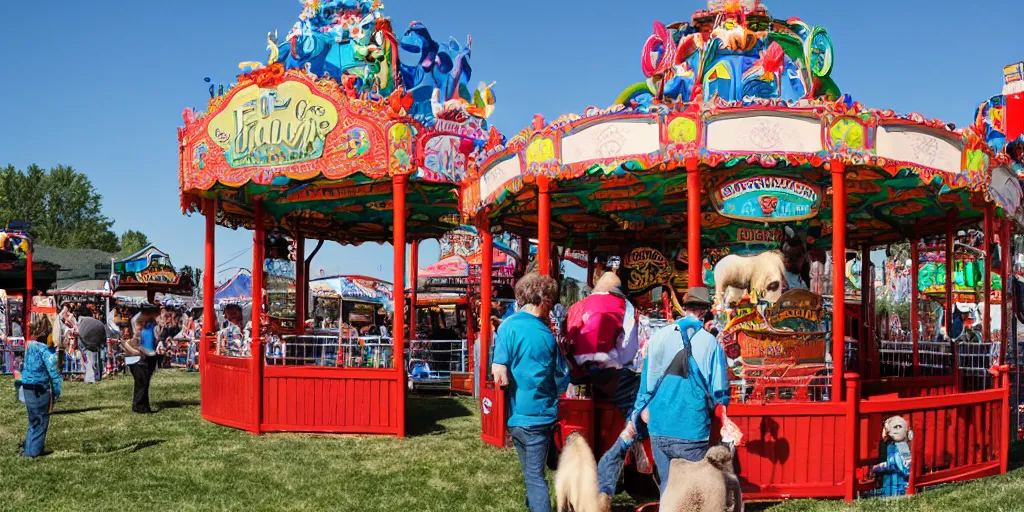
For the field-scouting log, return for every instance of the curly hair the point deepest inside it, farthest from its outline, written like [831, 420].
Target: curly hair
[536, 289]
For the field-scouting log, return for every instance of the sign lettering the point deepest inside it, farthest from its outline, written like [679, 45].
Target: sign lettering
[767, 198]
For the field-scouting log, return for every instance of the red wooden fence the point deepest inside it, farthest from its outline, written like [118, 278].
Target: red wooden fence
[337, 400]
[227, 391]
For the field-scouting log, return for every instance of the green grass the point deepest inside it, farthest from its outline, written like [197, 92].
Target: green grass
[105, 458]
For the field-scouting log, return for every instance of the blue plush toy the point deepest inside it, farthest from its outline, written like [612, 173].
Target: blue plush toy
[895, 471]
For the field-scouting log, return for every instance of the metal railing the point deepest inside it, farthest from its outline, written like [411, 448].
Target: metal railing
[329, 351]
[431, 362]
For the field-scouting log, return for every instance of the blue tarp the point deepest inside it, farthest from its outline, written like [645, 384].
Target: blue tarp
[238, 287]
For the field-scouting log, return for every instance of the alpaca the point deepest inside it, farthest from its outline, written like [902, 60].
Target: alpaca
[706, 486]
[576, 480]
[763, 275]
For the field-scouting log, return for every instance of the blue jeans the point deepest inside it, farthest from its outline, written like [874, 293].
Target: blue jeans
[532, 447]
[610, 466]
[668, 448]
[38, 405]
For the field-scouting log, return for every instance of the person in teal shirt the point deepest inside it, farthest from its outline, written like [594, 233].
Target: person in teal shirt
[529, 363]
[41, 383]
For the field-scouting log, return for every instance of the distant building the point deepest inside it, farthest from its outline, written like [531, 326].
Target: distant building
[74, 265]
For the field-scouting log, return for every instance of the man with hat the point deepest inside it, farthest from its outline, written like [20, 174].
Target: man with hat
[685, 377]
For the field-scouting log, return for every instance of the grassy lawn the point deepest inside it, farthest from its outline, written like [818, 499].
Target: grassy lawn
[105, 458]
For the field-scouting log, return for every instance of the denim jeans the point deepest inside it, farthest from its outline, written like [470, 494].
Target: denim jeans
[619, 387]
[668, 448]
[93, 370]
[38, 405]
[532, 447]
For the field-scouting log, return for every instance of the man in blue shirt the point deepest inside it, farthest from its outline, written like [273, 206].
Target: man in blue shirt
[41, 383]
[685, 377]
[528, 362]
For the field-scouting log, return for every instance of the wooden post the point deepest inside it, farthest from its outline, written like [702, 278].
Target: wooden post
[486, 240]
[694, 263]
[414, 276]
[838, 276]
[915, 328]
[255, 345]
[398, 328]
[300, 283]
[852, 421]
[209, 284]
[986, 314]
[543, 225]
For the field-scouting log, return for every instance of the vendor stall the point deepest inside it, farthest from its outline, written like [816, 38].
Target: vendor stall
[337, 138]
[736, 145]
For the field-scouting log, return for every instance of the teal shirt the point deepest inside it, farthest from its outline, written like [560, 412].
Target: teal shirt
[40, 368]
[538, 374]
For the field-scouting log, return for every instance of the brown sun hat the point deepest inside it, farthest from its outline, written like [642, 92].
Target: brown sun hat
[697, 296]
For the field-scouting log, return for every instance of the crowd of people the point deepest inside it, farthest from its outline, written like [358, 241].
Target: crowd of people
[668, 388]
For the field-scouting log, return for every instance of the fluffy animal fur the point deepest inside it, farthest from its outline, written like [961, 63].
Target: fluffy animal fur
[576, 480]
[706, 486]
[764, 275]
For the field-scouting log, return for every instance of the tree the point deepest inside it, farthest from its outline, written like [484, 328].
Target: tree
[61, 207]
[132, 242]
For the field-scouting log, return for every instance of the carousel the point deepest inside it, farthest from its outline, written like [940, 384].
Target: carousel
[738, 164]
[349, 132]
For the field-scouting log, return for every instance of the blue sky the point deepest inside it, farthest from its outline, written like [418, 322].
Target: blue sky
[101, 85]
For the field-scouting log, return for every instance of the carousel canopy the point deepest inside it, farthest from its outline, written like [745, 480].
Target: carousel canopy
[149, 269]
[360, 288]
[342, 106]
[748, 100]
[92, 287]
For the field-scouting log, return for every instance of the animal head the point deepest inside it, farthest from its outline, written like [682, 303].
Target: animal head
[896, 430]
[769, 278]
[720, 456]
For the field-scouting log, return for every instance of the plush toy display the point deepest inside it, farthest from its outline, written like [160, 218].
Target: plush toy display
[895, 471]
[763, 275]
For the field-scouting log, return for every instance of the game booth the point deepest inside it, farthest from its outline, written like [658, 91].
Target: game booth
[21, 277]
[738, 164]
[350, 132]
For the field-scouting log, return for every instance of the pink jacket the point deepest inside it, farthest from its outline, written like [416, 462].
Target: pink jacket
[602, 328]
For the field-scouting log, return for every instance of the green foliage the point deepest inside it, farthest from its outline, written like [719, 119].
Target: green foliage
[61, 205]
[132, 242]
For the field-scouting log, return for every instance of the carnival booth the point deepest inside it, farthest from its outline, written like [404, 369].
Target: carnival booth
[19, 278]
[350, 133]
[737, 144]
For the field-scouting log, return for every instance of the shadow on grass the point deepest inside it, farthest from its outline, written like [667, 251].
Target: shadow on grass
[176, 404]
[425, 414]
[60, 412]
[130, 447]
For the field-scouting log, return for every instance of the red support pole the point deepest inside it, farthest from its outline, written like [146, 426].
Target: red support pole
[414, 276]
[543, 225]
[256, 345]
[838, 276]
[209, 284]
[300, 284]
[398, 329]
[1004, 451]
[487, 240]
[852, 421]
[867, 324]
[986, 314]
[29, 286]
[915, 328]
[694, 263]
[950, 260]
[1005, 311]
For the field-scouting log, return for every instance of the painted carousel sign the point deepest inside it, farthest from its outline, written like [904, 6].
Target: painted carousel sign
[283, 125]
[768, 199]
[647, 268]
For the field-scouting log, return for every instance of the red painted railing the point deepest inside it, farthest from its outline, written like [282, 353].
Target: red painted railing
[227, 391]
